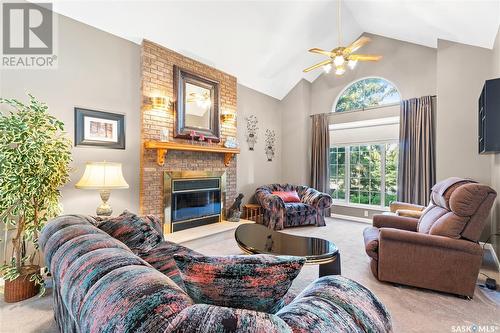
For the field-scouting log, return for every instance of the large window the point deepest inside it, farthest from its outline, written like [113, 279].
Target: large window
[367, 93]
[364, 174]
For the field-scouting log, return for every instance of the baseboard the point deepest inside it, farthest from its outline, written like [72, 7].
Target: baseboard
[490, 248]
[352, 218]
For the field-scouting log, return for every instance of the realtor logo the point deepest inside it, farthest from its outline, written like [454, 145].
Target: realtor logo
[27, 35]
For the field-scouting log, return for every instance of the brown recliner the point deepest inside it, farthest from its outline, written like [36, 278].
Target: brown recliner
[440, 250]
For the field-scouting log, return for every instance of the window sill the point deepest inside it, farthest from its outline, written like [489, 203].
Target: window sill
[360, 206]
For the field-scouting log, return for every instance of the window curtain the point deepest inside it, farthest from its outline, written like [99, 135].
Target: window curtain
[320, 178]
[417, 161]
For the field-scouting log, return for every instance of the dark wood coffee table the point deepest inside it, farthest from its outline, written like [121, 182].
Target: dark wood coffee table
[257, 239]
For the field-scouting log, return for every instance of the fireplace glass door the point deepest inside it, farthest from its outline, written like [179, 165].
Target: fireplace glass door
[195, 204]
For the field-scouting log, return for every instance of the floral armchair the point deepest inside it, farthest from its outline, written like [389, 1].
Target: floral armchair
[279, 215]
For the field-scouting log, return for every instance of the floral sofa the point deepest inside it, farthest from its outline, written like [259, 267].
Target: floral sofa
[279, 215]
[104, 285]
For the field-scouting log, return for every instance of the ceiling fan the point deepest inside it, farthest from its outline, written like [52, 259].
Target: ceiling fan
[201, 99]
[339, 56]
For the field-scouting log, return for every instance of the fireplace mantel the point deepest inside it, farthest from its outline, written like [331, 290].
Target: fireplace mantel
[163, 147]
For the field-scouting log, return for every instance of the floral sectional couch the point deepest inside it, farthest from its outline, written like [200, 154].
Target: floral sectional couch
[102, 284]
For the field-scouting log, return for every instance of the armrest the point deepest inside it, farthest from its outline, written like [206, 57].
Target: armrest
[397, 222]
[329, 301]
[317, 199]
[270, 201]
[415, 239]
[396, 205]
[416, 214]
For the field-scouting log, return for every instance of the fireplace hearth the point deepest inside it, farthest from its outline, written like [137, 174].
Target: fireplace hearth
[193, 198]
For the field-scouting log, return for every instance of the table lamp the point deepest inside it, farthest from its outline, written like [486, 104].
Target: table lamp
[102, 176]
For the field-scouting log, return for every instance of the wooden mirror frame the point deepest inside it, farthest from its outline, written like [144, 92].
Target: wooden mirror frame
[181, 77]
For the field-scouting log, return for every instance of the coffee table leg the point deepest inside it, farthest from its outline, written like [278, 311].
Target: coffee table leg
[331, 268]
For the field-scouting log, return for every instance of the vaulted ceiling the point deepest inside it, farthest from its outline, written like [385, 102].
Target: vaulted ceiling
[264, 43]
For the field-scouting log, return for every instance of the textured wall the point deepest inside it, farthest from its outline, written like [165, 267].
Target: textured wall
[157, 80]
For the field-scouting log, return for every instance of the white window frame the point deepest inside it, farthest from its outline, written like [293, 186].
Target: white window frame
[347, 162]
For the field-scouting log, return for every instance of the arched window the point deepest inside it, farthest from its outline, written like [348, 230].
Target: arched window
[367, 93]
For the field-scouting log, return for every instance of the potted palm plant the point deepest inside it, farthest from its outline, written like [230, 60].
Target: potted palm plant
[34, 163]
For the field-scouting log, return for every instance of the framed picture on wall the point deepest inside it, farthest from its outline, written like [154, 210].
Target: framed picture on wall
[99, 129]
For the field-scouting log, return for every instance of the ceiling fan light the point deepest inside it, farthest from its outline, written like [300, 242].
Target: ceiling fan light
[340, 70]
[338, 60]
[352, 64]
[327, 68]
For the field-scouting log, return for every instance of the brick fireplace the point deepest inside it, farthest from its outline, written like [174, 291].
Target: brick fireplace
[157, 80]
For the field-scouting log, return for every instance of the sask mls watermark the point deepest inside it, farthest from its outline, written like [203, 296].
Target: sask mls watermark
[475, 329]
[28, 35]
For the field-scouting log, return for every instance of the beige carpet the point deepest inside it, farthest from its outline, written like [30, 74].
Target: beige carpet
[413, 310]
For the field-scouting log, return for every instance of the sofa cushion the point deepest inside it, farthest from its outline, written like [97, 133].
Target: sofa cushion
[255, 282]
[162, 258]
[299, 209]
[442, 191]
[300, 214]
[58, 238]
[67, 253]
[429, 217]
[336, 304]
[138, 234]
[59, 223]
[87, 270]
[466, 200]
[221, 319]
[449, 225]
[370, 235]
[155, 222]
[132, 298]
[287, 196]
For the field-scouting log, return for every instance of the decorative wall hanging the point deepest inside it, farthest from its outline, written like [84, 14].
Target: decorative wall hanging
[164, 135]
[99, 129]
[252, 131]
[270, 141]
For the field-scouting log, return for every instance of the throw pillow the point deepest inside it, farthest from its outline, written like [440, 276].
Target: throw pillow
[287, 197]
[155, 222]
[137, 233]
[256, 282]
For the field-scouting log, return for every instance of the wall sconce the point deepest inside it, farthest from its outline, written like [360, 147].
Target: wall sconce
[160, 102]
[227, 116]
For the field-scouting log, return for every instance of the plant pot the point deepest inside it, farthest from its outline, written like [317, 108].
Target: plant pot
[22, 288]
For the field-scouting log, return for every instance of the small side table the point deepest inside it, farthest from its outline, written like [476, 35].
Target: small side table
[252, 212]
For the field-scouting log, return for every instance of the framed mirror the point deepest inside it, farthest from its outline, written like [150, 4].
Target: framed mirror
[197, 105]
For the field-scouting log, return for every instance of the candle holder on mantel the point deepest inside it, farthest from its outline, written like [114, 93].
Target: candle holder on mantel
[192, 134]
[201, 139]
[164, 135]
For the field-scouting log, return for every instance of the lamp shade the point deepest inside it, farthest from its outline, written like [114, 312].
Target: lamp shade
[102, 176]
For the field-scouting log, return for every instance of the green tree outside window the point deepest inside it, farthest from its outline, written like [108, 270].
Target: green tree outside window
[367, 93]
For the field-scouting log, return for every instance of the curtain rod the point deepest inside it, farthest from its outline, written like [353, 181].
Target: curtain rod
[372, 108]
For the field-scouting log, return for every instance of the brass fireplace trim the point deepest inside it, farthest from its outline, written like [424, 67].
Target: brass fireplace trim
[168, 176]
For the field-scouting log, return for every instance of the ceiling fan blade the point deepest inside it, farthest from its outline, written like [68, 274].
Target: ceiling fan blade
[357, 44]
[323, 63]
[320, 51]
[365, 57]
